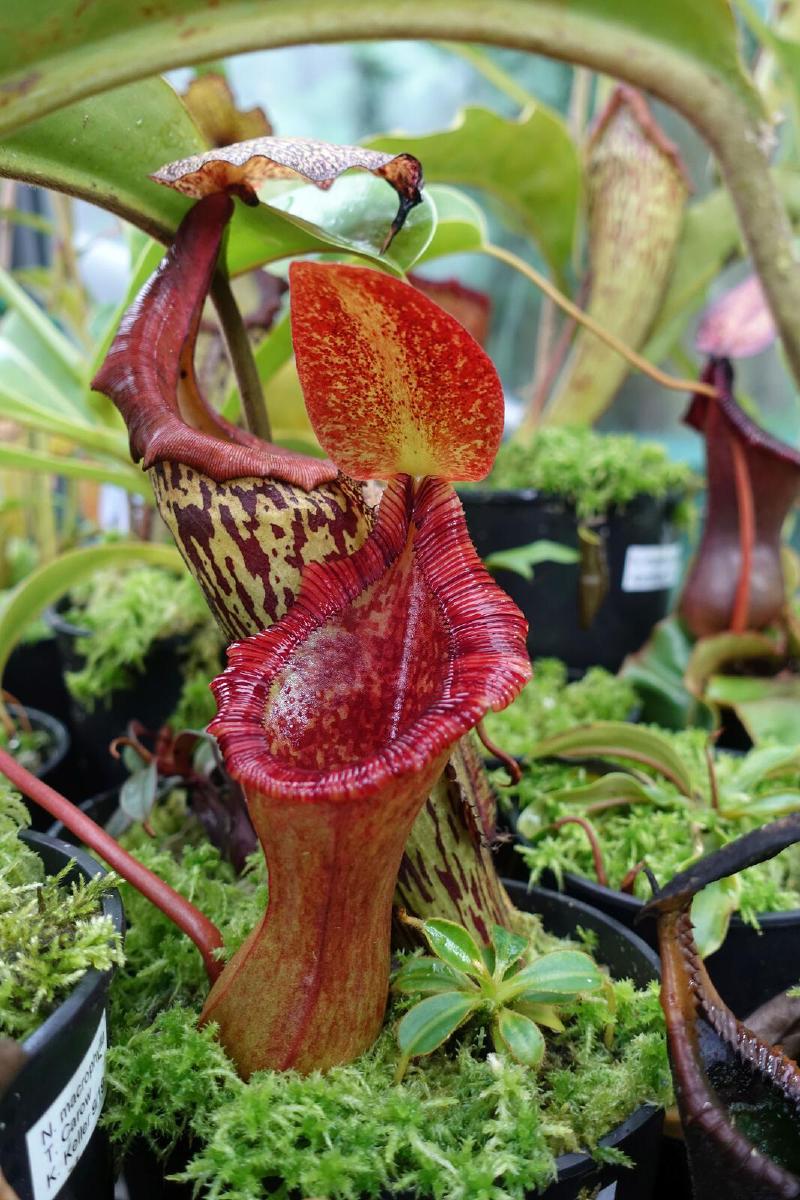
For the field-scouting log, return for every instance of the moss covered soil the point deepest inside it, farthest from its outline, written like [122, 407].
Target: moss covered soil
[464, 1123]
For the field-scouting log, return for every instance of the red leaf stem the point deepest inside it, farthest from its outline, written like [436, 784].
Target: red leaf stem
[597, 853]
[180, 911]
[747, 536]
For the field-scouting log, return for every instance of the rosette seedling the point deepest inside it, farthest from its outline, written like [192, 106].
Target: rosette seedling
[499, 985]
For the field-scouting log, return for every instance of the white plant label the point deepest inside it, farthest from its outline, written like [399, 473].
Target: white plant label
[60, 1136]
[651, 568]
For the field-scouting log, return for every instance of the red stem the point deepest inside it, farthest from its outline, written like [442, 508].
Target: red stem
[629, 879]
[597, 853]
[181, 911]
[747, 535]
[510, 764]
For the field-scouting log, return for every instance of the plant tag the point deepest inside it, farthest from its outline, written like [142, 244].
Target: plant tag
[651, 568]
[60, 1136]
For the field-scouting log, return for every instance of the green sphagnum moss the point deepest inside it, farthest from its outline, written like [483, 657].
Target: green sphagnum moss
[51, 932]
[466, 1124]
[593, 471]
[125, 613]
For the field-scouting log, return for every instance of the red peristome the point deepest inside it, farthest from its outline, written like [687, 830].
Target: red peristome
[148, 370]
[736, 580]
[393, 384]
[337, 721]
[386, 658]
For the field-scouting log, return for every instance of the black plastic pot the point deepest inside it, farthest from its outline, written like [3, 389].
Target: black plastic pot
[150, 698]
[578, 1174]
[50, 1145]
[641, 547]
[34, 676]
[54, 769]
[750, 966]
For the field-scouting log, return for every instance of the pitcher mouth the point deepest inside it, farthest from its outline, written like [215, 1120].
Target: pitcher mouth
[387, 657]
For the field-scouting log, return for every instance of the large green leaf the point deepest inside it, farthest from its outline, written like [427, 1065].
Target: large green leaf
[103, 149]
[531, 164]
[454, 945]
[520, 1037]
[712, 910]
[52, 54]
[428, 977]
[48, 583]
[657, 670]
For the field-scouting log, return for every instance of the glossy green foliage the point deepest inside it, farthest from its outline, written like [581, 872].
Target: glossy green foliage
[497, 984]
[522, 559]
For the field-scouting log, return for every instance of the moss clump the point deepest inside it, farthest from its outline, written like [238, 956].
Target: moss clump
[549, 704]
[668, 836]
[593, 471]
[51, 932]
[463, 1123]
[125, 613]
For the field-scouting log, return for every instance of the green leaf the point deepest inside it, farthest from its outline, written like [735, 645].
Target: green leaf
[542, 1014]
[656, 671]
[554, 977]
[272, 353]
[768, 808]
[431, 1022]
[519, 1036]
[429, 976]
[769, 709]
[48, 583]
[710, 654]
[17, 407]
[508, 949]
[531, 164]
[357, 211]
[522, 559]
[137, 795]
[759, 765]
[455, 946]
[20, 459]
[104, 149]
[51, 54]
[616, 785]
[460, 226]
[618, 739]
[711, 913]
[45, 329]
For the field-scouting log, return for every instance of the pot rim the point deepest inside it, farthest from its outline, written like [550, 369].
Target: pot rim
[58, 732]
[634, 904]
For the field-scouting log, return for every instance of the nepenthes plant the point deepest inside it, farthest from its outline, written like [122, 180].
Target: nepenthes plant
[372, 642]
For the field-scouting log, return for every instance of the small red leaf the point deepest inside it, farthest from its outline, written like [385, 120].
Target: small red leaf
[392, 383]
[149, 373]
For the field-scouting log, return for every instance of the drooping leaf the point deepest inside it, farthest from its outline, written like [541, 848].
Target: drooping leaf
[636, 192]
[430, 1023]
[553, 978]
[710, 655]
[522, 559]
[613, 788]
[712, 910]
[392, 383]
[736, 581]
[508, 949]
[531, 164]
[240, 169]
[738, 324]
[520, 1036]
[760, 765]
[618, 739]
[20, 459]
[429, 976]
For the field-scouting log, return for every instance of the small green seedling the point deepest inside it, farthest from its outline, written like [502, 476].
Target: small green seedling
[464, 981]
